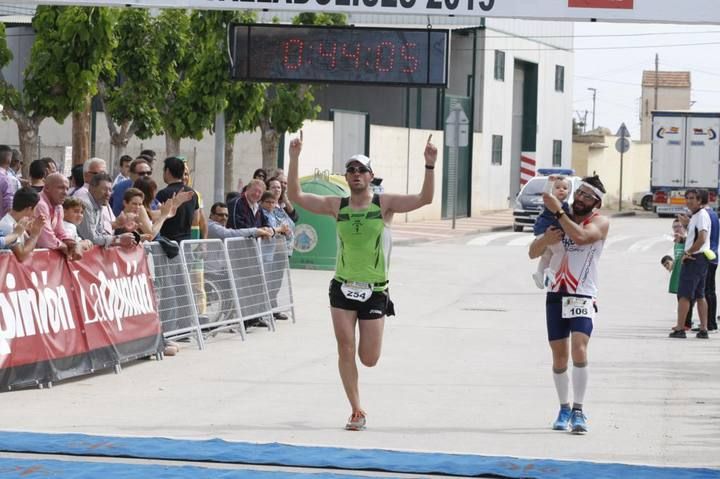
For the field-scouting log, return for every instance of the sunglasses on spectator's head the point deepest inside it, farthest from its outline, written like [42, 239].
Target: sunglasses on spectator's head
[357, 169]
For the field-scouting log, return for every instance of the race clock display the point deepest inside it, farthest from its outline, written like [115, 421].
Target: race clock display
[284, 53]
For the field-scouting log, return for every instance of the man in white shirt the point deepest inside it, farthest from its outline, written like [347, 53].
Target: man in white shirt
[22, 212]
[694, 264]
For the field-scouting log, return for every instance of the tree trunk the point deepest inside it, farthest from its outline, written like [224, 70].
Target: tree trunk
[119, 141]
[172, 145]
[81, 136]
[229, 163]
[28, 138]
[270, 140]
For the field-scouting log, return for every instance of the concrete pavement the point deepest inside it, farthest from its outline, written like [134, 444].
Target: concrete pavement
[465, 368]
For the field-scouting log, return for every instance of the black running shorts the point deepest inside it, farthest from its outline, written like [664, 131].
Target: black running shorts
[377, 306]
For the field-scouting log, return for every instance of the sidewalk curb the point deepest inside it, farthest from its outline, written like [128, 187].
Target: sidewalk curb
[413, 241]
[623, 214]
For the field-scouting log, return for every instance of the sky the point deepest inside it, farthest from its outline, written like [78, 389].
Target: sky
[611, 58]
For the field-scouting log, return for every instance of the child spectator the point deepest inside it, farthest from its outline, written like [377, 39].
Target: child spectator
[73, 211]
[560, 190]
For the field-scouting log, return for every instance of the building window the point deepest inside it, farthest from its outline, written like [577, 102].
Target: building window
[557, 153]
[499, 65]
[497, 141]
[559, 78]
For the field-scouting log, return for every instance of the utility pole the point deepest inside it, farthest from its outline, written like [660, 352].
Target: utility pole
[657, 79]
[594, 90]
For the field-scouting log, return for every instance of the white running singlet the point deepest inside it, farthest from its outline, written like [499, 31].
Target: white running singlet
[575, 271]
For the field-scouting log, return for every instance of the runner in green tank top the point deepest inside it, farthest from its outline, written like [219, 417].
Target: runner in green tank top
[359, 290]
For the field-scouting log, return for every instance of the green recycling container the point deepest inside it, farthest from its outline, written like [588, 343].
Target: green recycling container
[315, 235]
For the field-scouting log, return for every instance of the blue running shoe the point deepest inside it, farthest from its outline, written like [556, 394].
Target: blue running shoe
[563, 420]
[578, 422]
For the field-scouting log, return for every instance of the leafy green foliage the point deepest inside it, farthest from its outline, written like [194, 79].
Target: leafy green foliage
[73, 45]
[132, 88]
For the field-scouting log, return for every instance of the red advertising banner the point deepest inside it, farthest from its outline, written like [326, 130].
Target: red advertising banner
[116, 301]
[61, 319]
[621, 4]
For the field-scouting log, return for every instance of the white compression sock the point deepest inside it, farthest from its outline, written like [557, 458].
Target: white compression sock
[579, 380]
[562, 385]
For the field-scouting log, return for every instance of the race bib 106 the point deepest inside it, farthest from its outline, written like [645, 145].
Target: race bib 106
[573, 307]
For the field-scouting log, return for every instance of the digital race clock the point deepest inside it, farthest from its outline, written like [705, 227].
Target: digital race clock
[283, 53]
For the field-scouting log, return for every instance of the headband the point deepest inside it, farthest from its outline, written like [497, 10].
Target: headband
[595, 190]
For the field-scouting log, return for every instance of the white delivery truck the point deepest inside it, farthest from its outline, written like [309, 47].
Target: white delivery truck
[685, 154]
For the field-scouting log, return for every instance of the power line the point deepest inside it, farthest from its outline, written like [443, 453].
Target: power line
[610, 35]
[637, 83]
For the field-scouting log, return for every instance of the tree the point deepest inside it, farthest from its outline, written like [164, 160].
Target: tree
[287, 106]
[132, 88]
[72, 46]
[179, 117]
[214, 89]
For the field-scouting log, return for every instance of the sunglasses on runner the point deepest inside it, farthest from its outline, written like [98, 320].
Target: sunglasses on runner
[357, 169]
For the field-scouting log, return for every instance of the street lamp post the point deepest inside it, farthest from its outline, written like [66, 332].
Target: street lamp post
[594, 90]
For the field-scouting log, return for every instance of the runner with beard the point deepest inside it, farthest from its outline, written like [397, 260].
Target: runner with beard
[571, 299]
[359, 291]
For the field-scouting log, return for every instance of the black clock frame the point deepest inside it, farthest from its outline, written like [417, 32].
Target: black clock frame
[242, 49]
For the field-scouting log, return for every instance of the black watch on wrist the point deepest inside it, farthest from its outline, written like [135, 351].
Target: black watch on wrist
[558, 214]
[429, 167]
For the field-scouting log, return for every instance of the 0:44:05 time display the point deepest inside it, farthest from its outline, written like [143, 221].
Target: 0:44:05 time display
[381, 57]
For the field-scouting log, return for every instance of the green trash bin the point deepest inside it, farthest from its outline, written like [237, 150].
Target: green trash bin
[315, 235]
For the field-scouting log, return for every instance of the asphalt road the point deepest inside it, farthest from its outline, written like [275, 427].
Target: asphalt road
[465, 368]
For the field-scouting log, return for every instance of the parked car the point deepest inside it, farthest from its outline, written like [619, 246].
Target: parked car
[643, 199]
[529, 203]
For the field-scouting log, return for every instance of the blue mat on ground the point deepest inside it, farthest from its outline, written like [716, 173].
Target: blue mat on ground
[11, 468]
[217, 450]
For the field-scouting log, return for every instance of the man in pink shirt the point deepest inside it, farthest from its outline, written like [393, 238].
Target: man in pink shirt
[53, 234]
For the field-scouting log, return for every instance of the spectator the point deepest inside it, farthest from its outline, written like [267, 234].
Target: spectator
[177, 228]
[73, 211]
[39, 170]
[49, 207]
[92, 227]
[245, 210]
[16, 164]
[8, 183]
[139, 168]
[230, 195]
[148, 155]
[283, 201]
[278, 217]
[260, 174]
[124, 173]
[217, 226]
[710, 294]
[199, 226]
[76, 179]
[274, 259]
[134, 206]
[91, 168]
[675, 264]
[20, 221]
[695, 265]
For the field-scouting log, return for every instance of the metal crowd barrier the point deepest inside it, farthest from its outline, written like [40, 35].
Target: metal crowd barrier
[246, 267]
[213, 285]
[211, 281]
[276, 265]
[176, 301]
